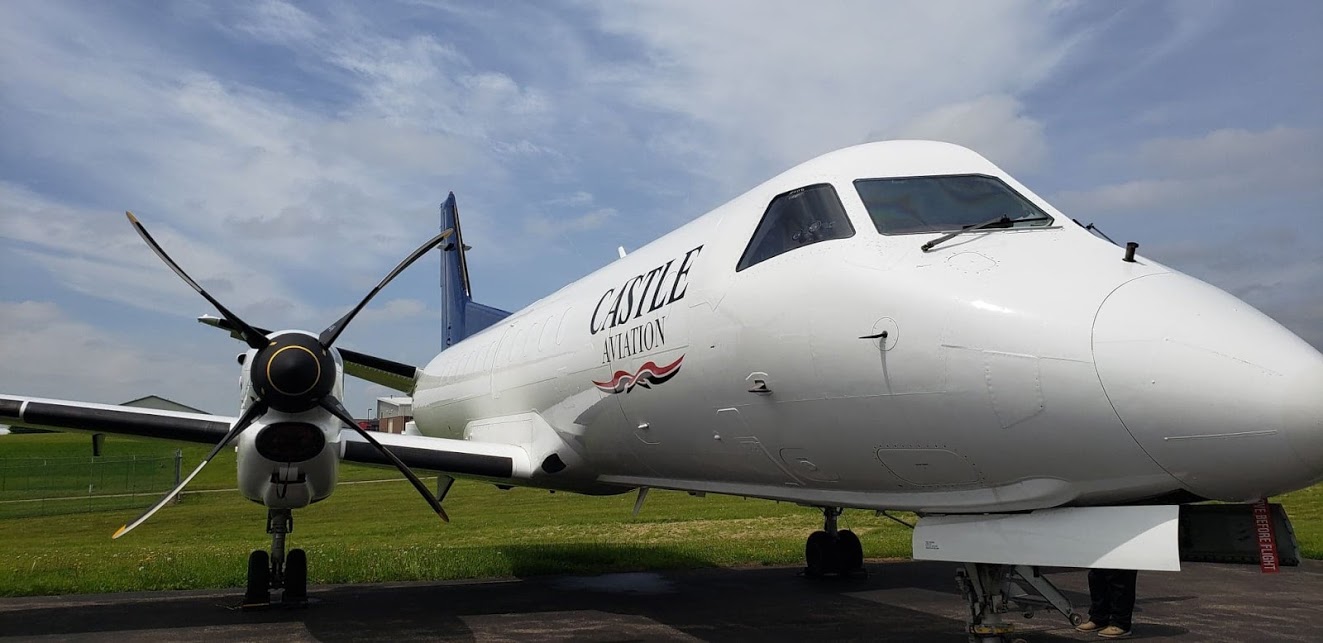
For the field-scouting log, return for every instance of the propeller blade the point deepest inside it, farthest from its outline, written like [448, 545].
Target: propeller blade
[250, 335]
[333, 331]
[336, 408]
[255, 409]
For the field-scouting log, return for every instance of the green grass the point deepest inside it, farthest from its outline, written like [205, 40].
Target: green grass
[219, 474]
[384, 532]
[1305, 508]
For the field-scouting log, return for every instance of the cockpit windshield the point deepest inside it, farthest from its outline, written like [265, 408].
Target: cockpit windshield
[945, 203]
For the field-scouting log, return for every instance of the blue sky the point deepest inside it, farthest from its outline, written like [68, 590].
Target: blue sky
[288, 154]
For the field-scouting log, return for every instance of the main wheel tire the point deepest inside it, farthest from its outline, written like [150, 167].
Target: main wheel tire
[851, 551]
[259, 579]
[296, 577]
[818, 554]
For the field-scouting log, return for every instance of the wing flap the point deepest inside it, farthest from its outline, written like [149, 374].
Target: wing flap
[65, 415]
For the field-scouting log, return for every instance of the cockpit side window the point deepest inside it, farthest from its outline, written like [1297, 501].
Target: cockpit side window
[945, 203]
[795, 219]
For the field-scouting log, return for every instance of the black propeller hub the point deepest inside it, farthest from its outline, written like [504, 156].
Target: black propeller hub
[293, 372]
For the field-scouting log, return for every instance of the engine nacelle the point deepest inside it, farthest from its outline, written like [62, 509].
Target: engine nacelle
[289, 463]
[289, 460]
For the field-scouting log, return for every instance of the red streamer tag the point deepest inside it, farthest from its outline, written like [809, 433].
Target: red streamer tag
[1264, 536]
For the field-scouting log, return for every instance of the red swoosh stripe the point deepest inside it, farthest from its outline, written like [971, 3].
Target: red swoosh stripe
[648, 375]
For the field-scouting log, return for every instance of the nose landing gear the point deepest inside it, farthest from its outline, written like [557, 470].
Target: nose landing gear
[832, 550]
[991, 591]
[277, 571]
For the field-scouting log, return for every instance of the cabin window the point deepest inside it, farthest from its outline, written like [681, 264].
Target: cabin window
[945, 203]
[796, 219]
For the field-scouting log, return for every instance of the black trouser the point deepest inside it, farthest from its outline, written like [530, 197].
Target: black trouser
[1112, 594]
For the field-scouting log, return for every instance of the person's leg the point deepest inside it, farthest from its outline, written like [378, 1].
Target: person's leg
[1121, 585]
[1100, 603]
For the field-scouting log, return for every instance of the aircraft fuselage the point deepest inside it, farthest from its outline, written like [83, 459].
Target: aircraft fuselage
[1005, 369]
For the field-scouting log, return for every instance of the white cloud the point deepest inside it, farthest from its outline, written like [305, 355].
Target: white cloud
[772, 84]
[228, 160]
[59, 356]
[546, 227]
[578, 199]
[1279, 150]
[392, 311]
[994, 126]
[246, 187]
[97, 253]
[1221, 167]
[279, 22]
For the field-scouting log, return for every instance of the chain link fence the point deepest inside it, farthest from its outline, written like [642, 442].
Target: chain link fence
[53, 486]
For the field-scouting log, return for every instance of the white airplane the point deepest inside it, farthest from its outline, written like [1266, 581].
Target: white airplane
[893, 326]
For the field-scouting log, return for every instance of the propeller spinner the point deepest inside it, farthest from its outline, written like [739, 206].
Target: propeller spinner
[292, 372]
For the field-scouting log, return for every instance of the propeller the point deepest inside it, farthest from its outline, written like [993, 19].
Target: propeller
[292, 371]
[338, 410]
[250, 335]
[254, 410]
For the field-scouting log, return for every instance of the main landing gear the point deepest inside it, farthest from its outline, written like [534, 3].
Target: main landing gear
[277, 571]
[993, 590]
[832, 550]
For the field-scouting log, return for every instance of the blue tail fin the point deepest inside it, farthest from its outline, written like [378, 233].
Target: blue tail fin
[460, 315]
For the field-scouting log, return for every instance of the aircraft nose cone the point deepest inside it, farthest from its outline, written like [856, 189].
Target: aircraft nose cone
[1217, 393]
[1304, 416]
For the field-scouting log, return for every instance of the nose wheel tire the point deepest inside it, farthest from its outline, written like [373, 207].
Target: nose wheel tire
[277, 570]
[851, 551]
[296, 577]
[259, 579]
[819, 554]
[841, 555]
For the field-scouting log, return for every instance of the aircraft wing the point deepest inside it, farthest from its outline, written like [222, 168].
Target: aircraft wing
[462, 457]
[390, 374]
[63, 415]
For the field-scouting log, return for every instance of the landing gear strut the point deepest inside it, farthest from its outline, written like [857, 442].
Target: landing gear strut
[993, 590]
[832, 550]
[276, 570]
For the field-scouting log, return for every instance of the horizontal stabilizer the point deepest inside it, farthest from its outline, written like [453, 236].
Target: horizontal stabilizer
[1140, 537]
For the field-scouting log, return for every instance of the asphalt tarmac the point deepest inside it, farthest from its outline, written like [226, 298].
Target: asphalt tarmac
[898, 601]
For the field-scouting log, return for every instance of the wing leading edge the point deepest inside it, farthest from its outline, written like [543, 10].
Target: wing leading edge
[461, 457]
[40, 413]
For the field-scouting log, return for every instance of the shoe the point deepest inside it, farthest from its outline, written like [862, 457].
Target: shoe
[1088, 626]
[1113, 632]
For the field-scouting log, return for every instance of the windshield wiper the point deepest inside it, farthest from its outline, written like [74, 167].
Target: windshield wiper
[1094, 229]
[1001, 220]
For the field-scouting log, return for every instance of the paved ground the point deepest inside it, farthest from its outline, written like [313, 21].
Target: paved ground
[899, 601]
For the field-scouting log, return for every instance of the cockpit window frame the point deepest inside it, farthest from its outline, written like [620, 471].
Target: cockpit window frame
[758, 237]
[1048, 220]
